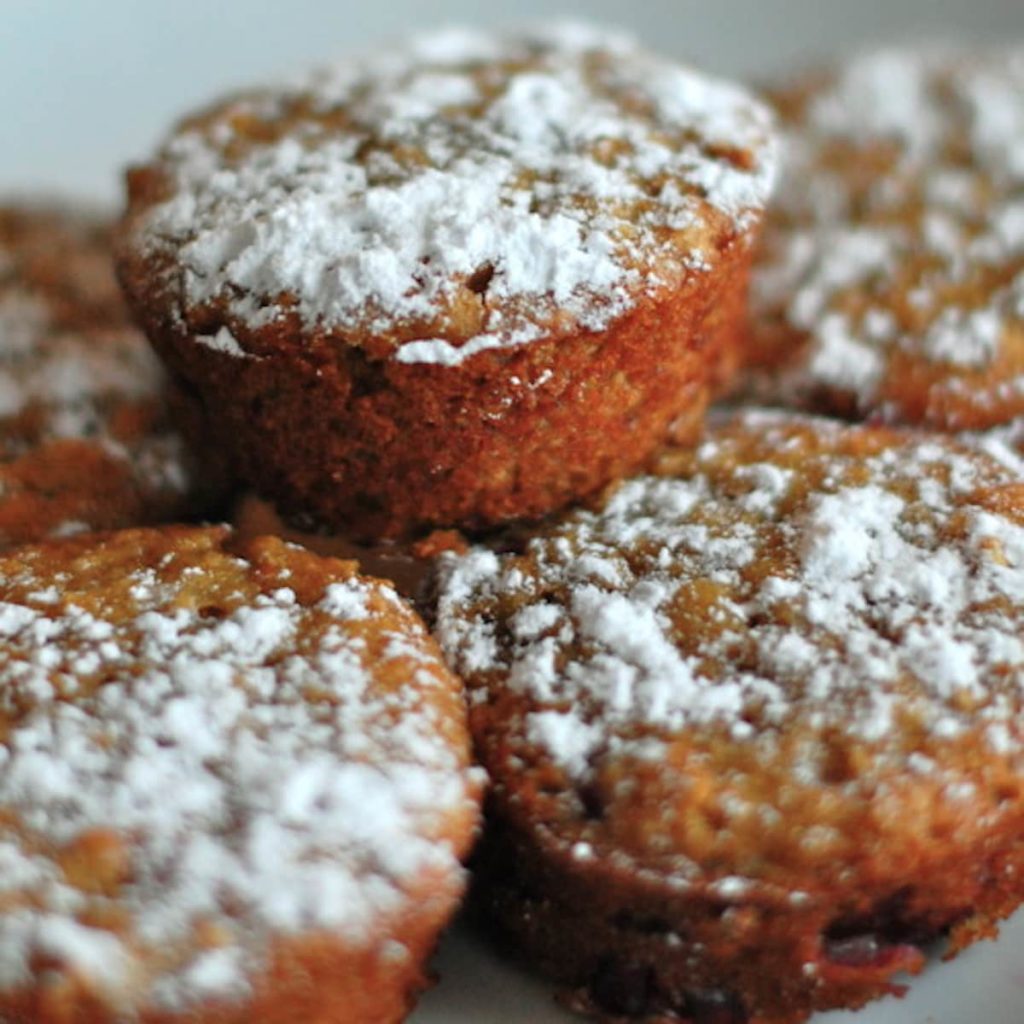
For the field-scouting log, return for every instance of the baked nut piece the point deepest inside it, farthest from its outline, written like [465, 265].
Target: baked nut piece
[466, 280]
[235, 785]
[85, 441]
[891, 283]
[754, 727]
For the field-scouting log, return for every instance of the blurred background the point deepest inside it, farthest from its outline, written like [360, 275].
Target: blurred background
[87, 85]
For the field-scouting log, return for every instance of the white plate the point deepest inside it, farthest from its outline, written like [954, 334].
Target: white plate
[86, 86]
[984, 985]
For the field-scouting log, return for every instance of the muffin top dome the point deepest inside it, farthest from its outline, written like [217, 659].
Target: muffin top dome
[800, 633]
[892, 280]
[210, 752]
[463, 191]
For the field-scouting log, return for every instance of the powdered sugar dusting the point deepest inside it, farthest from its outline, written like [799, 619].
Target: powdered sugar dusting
[464, 191]
[223, 342]
[796, 579]
[1005, 444]
[256, 778]
[899, 238]
[64, 372]
[71, 365]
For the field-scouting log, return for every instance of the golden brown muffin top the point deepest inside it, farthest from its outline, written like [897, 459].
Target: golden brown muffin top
[73, 369]
[797, 650]
[892, 277]
[462, 191]
[209, 748]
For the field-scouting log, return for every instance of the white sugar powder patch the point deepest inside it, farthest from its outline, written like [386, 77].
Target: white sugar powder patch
[521, 180]
[224, 342]
[968, 339]
[249, 805]
[950, 119]
[566, 733]
[884, 596]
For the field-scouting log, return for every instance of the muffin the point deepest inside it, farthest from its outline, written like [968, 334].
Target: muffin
[465, 280]
[85, 437]
[890, 283]
[235, 784]
[754, 724]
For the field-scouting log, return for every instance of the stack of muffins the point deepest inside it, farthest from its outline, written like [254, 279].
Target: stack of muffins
[747, 691]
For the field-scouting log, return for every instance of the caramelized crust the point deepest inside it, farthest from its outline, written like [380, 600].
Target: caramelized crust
[390, 450]
[406, 566]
